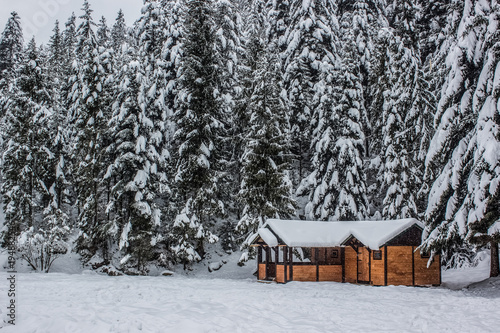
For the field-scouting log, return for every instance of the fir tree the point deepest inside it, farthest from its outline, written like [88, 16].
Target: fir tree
[310, 45]
[337, 189]
[11, 47]
[89, 123]
[463, 200]
[200, 128]
[119, 33]
[103, 34]
[265, 187]
[27, 160]
[138, 169]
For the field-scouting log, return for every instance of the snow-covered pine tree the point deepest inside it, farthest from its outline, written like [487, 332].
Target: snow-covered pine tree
[431, 25]
[463, 201]
[367, 19]
[11, 47]
[253, 41]
[27, 164]
[337, 186]
[88, 116]
[278, 20]
[103, 34]
[229, 48]
[310, 45]
[119, 32]
[436, 70]
[69, 41]
[138, 169]
[266, 190]
[171, 52]
[58, 210]
[198, 139]
[404, 102]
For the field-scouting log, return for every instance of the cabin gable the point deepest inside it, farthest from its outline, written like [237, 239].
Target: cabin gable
[410, 237]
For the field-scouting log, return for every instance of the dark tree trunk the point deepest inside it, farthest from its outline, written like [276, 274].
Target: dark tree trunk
[494, 270]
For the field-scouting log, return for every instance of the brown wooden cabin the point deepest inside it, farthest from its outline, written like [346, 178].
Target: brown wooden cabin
[379, 253]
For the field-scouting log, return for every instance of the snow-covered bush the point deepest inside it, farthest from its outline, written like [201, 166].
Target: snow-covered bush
[41, 247]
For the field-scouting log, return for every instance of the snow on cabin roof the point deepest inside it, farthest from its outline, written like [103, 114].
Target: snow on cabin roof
[372, 234]
[268, 237]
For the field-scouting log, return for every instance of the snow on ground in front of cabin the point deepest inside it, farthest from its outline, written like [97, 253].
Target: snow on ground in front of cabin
[226, 301]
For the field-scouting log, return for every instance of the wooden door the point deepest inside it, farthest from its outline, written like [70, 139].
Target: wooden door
[271, 271]
[363, 265]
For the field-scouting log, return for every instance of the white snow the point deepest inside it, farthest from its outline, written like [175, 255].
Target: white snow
[268, 237]
[88, 302]
[373, 234]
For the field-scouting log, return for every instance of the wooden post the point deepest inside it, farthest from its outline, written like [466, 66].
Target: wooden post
[369, 266]
[290, 250]
[316, 257]
[385, 265]
[285, 263]
[413, 265]
[342, 259]
[357, 264]
[268, 254]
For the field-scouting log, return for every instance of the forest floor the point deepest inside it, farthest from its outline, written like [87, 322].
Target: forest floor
[231, 300]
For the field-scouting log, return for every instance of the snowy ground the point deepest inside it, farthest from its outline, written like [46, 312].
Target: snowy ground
[227, 301]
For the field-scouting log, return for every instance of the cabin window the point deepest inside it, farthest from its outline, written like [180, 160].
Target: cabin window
[377, 255]
[334, 254]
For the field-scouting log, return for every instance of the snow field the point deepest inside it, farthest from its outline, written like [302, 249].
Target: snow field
[89, 302]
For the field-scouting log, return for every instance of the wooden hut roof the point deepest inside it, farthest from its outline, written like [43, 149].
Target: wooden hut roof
[373, 234]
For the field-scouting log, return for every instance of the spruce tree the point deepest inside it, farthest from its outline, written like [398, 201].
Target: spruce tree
[310, 45]
[88, 114]
[463, 200]
[336, 187]
[119, 33]
[27, 159]
[138, 169]
[198, 138]
[11, 47]
[265, 190]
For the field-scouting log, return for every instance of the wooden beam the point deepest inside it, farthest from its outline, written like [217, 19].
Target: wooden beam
[290, 250]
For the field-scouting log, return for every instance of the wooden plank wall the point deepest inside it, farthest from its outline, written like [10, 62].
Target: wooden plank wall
[377, 273]
[424, 275]
[280, 273]
[351, 265]
[399, 265]
[262, 271]
[330, 273]
[304, 273]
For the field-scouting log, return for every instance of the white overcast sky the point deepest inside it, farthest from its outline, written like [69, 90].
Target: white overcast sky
[38, 16]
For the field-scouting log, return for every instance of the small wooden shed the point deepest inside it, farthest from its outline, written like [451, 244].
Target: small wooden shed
[379, 253]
